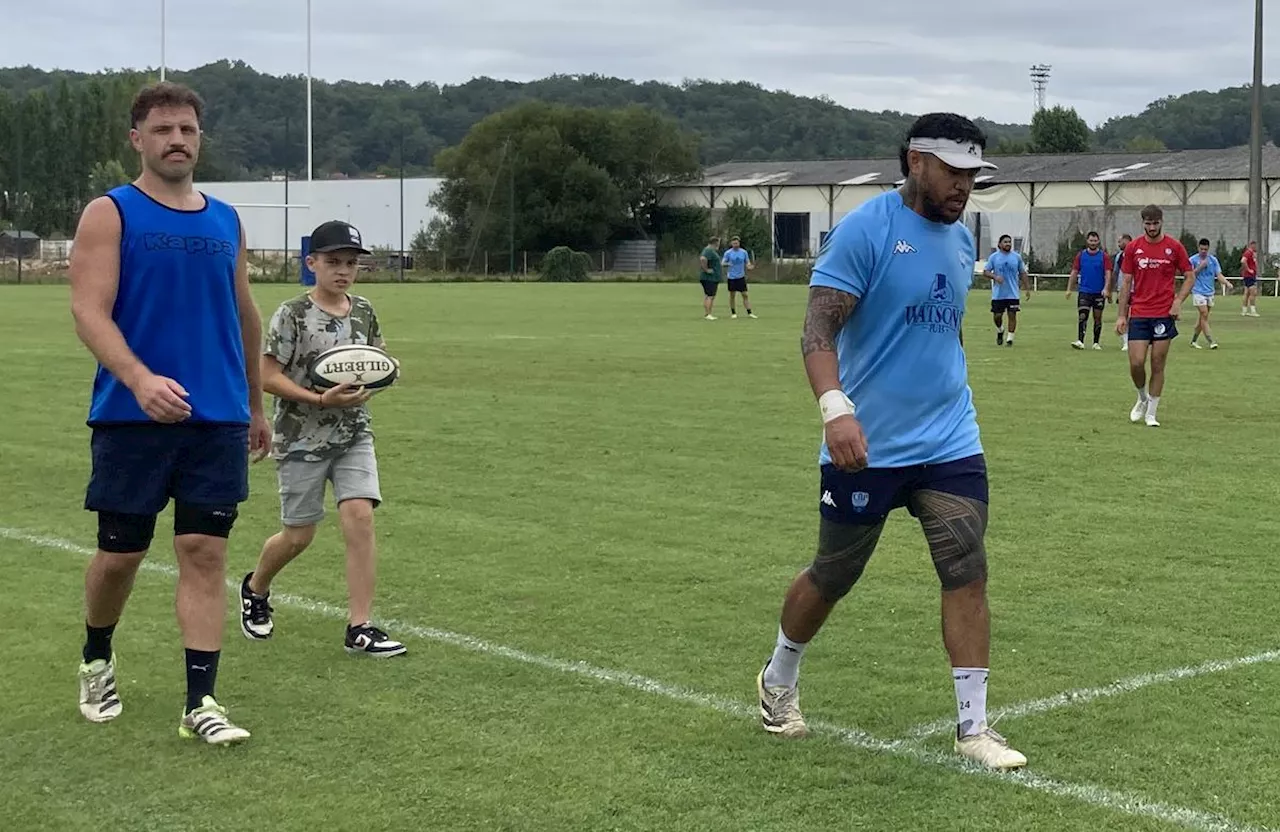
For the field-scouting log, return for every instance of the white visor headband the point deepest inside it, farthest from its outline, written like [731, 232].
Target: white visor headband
[959, 155]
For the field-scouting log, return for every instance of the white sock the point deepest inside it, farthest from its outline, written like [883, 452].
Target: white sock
[1010, 338]
[784, 667]
[1142, 394]
[971, 698]
[1152, 404]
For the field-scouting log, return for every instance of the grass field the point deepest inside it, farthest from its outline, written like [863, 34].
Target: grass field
[595, 501]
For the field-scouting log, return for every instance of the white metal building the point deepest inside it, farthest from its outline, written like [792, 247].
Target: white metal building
[1041, 200]
[371, 205]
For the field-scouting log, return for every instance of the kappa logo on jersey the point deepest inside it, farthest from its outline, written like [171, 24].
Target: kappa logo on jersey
[828, 500]
[160, 241]
[903, 247]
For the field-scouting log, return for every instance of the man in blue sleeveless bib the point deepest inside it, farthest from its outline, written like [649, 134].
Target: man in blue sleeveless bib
[1091, 273]
[884, 353]
[160, 296]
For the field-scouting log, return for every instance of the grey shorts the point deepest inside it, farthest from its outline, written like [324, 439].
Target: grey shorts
[354, 475]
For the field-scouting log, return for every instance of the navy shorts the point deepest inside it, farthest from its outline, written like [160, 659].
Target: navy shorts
[866, 497]
[999, 307]
[1152, 329]
[1249, 282]
[138, 468]
[737, 284]
[710, 287]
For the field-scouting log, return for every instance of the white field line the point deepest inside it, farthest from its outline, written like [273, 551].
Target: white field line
[1120, 802]
[1083, 696]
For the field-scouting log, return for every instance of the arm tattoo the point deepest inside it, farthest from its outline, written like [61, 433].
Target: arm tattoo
[826, 315]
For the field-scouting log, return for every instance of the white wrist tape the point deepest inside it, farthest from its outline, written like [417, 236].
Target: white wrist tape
[834, 404]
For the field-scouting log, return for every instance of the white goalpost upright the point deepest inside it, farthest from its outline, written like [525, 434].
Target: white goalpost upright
[286, 205]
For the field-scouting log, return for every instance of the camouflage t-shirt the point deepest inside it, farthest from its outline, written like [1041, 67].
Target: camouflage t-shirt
[299, 331]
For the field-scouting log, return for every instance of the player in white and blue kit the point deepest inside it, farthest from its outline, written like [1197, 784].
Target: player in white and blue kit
[738, 261]
[1208, 272]
[884, 353]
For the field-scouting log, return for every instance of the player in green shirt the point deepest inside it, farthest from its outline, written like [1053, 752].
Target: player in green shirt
[710, 276]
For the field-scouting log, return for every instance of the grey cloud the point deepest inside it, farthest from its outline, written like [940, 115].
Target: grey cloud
[913, 56]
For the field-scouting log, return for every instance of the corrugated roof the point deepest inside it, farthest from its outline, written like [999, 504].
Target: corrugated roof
[1167, 166]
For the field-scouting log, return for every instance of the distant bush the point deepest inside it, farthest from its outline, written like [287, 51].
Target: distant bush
[564, 265]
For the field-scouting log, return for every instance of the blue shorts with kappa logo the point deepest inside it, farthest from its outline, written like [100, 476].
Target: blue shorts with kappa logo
[866, 497]
[137, 468]
[1152, 329]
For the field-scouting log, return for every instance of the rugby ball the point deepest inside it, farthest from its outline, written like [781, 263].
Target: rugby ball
[360, 364]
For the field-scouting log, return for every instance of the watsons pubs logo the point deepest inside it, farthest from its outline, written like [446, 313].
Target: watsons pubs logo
[939, 313]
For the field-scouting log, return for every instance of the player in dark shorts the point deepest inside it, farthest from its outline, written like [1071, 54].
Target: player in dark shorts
[738, 261]
[1249, 279]
[1089, 274]
[1149, 309]
[709, 276]
[1008, 274]
[876, 323]
[160, 296]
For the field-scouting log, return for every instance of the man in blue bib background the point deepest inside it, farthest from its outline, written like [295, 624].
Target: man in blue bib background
[1089, 272]
[884, 354]
[160, 296]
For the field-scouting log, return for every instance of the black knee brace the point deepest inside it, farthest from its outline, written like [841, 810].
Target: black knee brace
[214, 521]
[125, 534]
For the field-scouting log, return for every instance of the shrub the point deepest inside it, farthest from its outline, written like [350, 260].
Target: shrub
[564, 265]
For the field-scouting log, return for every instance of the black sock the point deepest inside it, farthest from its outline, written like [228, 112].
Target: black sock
[202, 672]
[1080, 331]
[732, 311]
[1097, 332]
[97, 643]
[748, 310]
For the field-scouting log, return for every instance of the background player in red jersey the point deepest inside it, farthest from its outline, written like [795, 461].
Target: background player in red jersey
[1149, 309]
[1249, 277]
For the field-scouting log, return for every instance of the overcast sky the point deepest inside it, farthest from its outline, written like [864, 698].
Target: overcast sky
[911, 55]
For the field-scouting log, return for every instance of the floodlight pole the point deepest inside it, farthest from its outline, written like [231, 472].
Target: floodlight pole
[309, 133]
[162, 39]
[1256, 223]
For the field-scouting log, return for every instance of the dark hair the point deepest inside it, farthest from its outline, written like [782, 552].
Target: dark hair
[957, 128]
[1152, 212]
[1126, 236]
[1204, 241]
[1004, 237]
[1093, 234]
[164, 94]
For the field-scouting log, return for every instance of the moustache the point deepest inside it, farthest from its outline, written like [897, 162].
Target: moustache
[173, 150]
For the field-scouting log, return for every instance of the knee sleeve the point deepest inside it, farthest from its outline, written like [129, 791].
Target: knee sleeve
[1083, 313]
[843, 552]
[956, 529]
[125, 534]
[214, 521]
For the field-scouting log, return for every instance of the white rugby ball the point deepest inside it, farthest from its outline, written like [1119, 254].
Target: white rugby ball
[360, 364]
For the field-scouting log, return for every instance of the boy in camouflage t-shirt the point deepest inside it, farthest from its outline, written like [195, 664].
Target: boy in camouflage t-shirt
[321, 437]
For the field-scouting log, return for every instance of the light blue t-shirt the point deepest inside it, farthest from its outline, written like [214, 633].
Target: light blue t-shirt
[901, 362]
[1206, 280]
[1010, 267]
[737, 260]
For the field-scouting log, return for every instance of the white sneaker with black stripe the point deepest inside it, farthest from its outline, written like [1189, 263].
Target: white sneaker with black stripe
[255, 613]
[367, 640]
[99, 701]
[209, 723]
[780, 709]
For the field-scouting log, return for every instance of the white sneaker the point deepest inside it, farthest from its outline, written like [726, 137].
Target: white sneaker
[780, 709]
[709, 318]
[1244, 311]
[1096, 345]
[989, 749]
[1195, 345]
[1139, 410]
[209, 723]
[1213, 346]
[1150, 419]
[734, 316]
[1253, 312]
[1078, 344]
[752, 315]
[99, 701]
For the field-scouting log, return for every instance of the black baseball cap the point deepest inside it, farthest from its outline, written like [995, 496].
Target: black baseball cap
[336, 235]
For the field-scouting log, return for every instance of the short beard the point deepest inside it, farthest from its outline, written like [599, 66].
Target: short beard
[913, 194]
